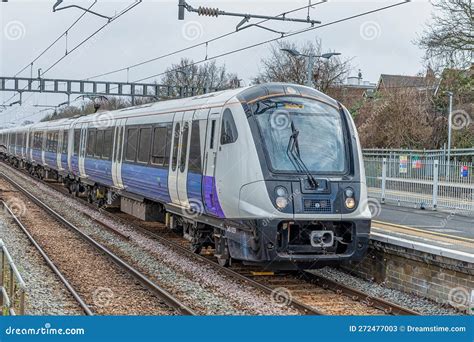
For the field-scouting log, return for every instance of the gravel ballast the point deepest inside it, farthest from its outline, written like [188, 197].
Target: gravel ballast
[46, 294]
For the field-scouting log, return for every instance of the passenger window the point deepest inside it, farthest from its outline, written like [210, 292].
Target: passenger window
[195, 149]
[107, 149]
[132, 143]
[99, 144]
[77, 141]
[159, 145]
[91, 143]
[229, 130]
[184, 148]
[65, 141]
[55, 142]
[175, 146]
[144, 146]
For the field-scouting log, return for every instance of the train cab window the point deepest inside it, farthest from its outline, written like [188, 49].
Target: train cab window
[144, 145]
[99, 144]
[65, 142]
[229, 130]
[77, 141]
[195, 149]
[131, 143]
[174, 161]
[107, 150]
[91, 137]
[184, 147]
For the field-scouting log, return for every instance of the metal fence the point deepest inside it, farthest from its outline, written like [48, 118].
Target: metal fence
[12, 286]
[423, 182]
[457, 154]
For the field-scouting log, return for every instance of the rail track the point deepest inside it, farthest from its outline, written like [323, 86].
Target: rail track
[309, 293]
[166, 304]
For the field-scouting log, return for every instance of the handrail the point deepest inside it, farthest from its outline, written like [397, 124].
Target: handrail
[12, 285]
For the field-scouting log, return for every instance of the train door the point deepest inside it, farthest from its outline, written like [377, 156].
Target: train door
[43, 136]
[30, 144]
[59, 148]
[211, 203]
[174, 158]
[117, 153]
[82, 150]
[182, 168]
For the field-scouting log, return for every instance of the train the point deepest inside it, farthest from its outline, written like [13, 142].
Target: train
[269, 175]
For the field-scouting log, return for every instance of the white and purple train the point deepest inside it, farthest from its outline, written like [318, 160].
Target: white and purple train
[269, 174]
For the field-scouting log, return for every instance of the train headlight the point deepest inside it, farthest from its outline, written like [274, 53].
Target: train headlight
[350, 203]
[281, 191]
[349, 192]
[281, 200]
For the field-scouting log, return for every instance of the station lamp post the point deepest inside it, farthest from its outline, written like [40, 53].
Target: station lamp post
[310, 59]
[450, 125]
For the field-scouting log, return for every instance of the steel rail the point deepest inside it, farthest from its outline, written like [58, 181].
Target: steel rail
[169, 299]
[50, 263]
[378, 303]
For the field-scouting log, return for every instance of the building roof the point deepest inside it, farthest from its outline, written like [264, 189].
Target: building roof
[400, 81]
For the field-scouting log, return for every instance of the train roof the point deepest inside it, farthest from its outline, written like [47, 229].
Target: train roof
[246, 94]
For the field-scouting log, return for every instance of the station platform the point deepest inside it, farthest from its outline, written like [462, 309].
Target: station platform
[435, 232]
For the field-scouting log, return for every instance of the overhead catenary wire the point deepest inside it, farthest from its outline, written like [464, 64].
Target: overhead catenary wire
[290, 34]
[121, 13]
[65, 33]
[206, 43]
[127, 9]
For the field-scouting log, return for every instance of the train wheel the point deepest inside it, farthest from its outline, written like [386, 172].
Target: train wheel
[223, 262]
[221, 250]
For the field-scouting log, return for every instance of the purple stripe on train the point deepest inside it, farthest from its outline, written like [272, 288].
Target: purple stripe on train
[211, 199]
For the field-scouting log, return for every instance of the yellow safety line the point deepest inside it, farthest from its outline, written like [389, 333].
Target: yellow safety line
[425, 231]
[263, 273]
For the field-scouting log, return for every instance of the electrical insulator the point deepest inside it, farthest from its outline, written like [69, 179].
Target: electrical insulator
[207, 11]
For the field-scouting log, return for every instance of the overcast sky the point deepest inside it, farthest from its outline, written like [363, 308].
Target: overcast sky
[379, 43]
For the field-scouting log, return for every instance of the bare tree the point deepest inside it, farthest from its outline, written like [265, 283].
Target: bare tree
[282, 67]
[397, 118]
[449, 39]
[205, 76]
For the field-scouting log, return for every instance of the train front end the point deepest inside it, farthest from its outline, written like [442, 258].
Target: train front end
[312, 203]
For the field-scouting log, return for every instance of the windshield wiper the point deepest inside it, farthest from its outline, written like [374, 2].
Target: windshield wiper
[293, 150]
